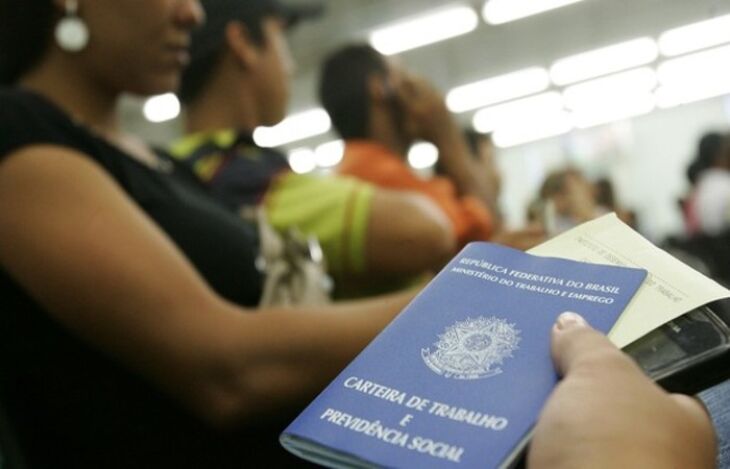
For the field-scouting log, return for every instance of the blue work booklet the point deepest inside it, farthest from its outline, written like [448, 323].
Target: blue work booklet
[460, 376]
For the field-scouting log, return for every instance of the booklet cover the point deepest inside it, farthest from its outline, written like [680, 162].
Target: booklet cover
[460, 376]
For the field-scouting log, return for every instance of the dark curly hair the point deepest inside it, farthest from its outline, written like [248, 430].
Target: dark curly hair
[26, 27]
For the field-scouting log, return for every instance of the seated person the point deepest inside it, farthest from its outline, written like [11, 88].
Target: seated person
[710, 200]
[380, 110]
[238, 79]
[566, 200]
[484, 151]
[708, 147]
[605, 197]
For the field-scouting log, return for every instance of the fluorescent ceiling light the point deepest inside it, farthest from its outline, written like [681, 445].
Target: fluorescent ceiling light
[518, 135]
[302, 160]
[694, 77]
[694, 67]
[604, 61]
[423, 155]
[607, 91]
[161, 108]
[514, 113]
[612, 98]
[497, 89]
[668, 97]
[329, 154]
[426, 29]
[620, 108]
[504, 11]
[524, 120]
[695, 36]
[295, 127]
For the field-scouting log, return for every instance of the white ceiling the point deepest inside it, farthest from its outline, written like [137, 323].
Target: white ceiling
[487, 51]
[490, 50]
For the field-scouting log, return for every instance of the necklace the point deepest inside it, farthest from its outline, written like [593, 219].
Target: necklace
[140, 151]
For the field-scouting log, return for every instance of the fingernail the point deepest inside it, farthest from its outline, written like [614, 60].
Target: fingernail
[568, 320]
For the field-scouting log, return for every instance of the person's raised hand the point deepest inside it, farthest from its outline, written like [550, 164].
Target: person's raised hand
[425, 107]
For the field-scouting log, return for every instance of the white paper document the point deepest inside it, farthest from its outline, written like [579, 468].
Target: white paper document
[670, 290]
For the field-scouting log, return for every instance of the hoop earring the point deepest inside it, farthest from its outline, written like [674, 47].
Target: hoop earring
[71, 33]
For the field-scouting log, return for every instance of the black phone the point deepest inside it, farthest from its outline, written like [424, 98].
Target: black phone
[689, 354]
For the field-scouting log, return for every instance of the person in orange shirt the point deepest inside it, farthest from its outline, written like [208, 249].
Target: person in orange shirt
[374, 162]
[380, 109]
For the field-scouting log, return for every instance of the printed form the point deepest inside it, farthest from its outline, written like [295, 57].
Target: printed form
[671, 289]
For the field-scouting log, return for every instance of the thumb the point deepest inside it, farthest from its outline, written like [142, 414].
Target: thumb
[576, 344]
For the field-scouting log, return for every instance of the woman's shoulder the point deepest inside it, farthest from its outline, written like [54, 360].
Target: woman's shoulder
[27, 119]
[13, 95]
[18, 104]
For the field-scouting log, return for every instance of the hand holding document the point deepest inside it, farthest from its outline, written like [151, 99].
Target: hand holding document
[459, 377]
[670, 290]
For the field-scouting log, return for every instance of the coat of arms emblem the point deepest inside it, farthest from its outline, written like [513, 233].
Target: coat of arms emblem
[471, 349]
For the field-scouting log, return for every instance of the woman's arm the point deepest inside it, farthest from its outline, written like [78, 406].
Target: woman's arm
[74, 240]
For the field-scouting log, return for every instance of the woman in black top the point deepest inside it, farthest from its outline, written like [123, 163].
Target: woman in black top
[123, 340]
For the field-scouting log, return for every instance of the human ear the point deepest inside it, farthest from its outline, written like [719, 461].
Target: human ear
[238, 40]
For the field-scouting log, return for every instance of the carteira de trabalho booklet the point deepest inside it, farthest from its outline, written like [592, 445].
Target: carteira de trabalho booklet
[460, 376]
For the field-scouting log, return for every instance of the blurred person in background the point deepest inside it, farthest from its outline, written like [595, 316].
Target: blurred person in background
[606, 199]
[566, 199]
[484, 151]
[707, 208]
[705, 245]
[238, 80]
[380, 109]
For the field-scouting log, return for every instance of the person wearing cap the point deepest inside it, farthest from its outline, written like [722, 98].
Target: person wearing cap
[237, 80]
[380, 109]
